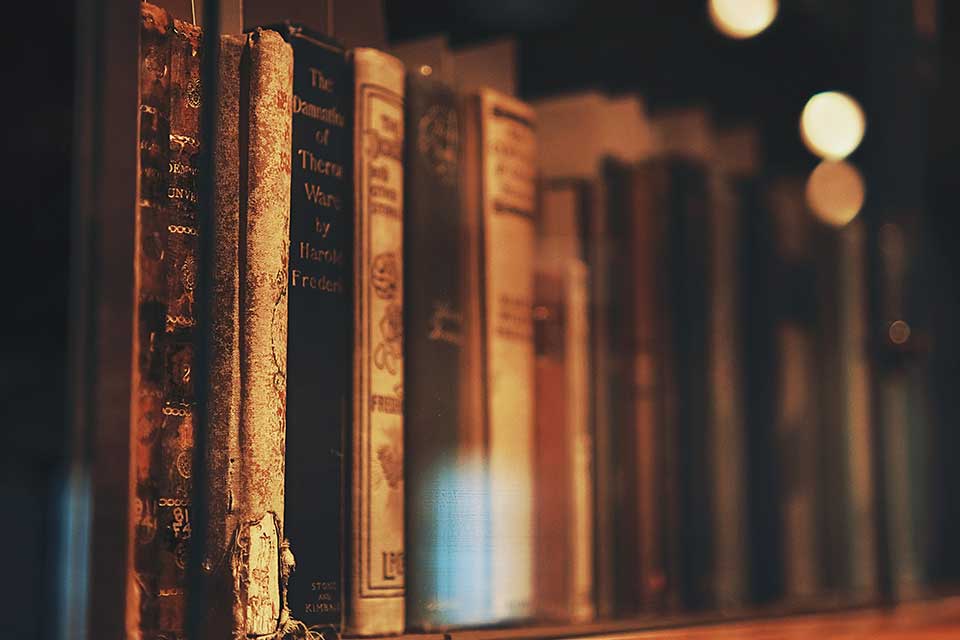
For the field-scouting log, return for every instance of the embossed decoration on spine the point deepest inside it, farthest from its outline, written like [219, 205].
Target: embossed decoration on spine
[376, 566]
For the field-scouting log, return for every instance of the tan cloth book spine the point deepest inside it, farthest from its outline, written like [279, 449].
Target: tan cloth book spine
[501, 214]
[375, 604]
[247, 386]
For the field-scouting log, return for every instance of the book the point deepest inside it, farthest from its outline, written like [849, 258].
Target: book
[180, 261]
[491, 64]
[687, 430]
[580, 134]
[632, 404]
[647, 200]
[318, 330]
[144, 614]
[246, 389]
[375, 573]
[445, 558]
[735, 160]
[499, 169]
[563, 434]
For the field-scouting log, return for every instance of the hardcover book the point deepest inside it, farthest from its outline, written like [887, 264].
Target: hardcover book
[564, 443]
[581, 133]
[180, 258]
[629, 403]
[444, 525]
[500, 167]
[376, 565]
[246, 390]
[144, 613]
[318, 355]
[647, 191]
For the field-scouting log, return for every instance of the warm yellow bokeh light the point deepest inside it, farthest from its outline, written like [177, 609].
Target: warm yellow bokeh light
[742, 18]
[832, 125]
[835, 192]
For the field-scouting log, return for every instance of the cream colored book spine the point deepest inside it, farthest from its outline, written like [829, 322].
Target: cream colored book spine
[376, 564]
[505, 236]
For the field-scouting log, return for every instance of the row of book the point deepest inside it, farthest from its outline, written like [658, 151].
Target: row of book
[470, 360]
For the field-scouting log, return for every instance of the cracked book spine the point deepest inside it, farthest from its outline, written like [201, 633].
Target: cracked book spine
[245, 557]
[375, 570]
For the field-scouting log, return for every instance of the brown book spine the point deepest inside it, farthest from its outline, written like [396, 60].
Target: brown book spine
[247, 385]
[376, 566]
[180, 269]
[647, 195]
[149, 321]
[563, 443]
[553, 525]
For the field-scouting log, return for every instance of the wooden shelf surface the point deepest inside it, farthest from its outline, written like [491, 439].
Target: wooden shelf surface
[922, 620]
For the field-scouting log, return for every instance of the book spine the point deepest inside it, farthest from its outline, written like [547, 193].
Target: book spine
[688, 265]
[553, 527]
[151, 308]
[601, 427]
[582, 604]
[223, 387]
[646, 238]
[248, 420]
[180, 274]
[318, 359]
[620, 450]
[507, 234]
[564, 495]
[376, 570]
[726, 397]
[439, 593]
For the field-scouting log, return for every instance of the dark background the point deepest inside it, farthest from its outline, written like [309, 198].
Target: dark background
[667, 51]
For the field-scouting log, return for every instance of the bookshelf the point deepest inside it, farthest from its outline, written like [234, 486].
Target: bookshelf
[103, 237]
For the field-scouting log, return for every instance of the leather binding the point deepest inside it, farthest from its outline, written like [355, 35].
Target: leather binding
[500, 166]
[375, 604]
[245, 453]
[319, 355]
[143, 611]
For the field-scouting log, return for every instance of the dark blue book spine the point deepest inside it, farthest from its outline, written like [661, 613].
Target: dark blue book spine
[319, 355]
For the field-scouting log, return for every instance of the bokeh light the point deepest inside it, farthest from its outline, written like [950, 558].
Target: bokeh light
[742, 18]
[835, 192]
[832, 125]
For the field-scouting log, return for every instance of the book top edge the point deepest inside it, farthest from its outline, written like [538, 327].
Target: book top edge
[369, 55]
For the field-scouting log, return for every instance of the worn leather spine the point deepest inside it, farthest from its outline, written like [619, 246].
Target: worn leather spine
[180, 274]
[375, 604]
[247, 385]
[149, 319]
